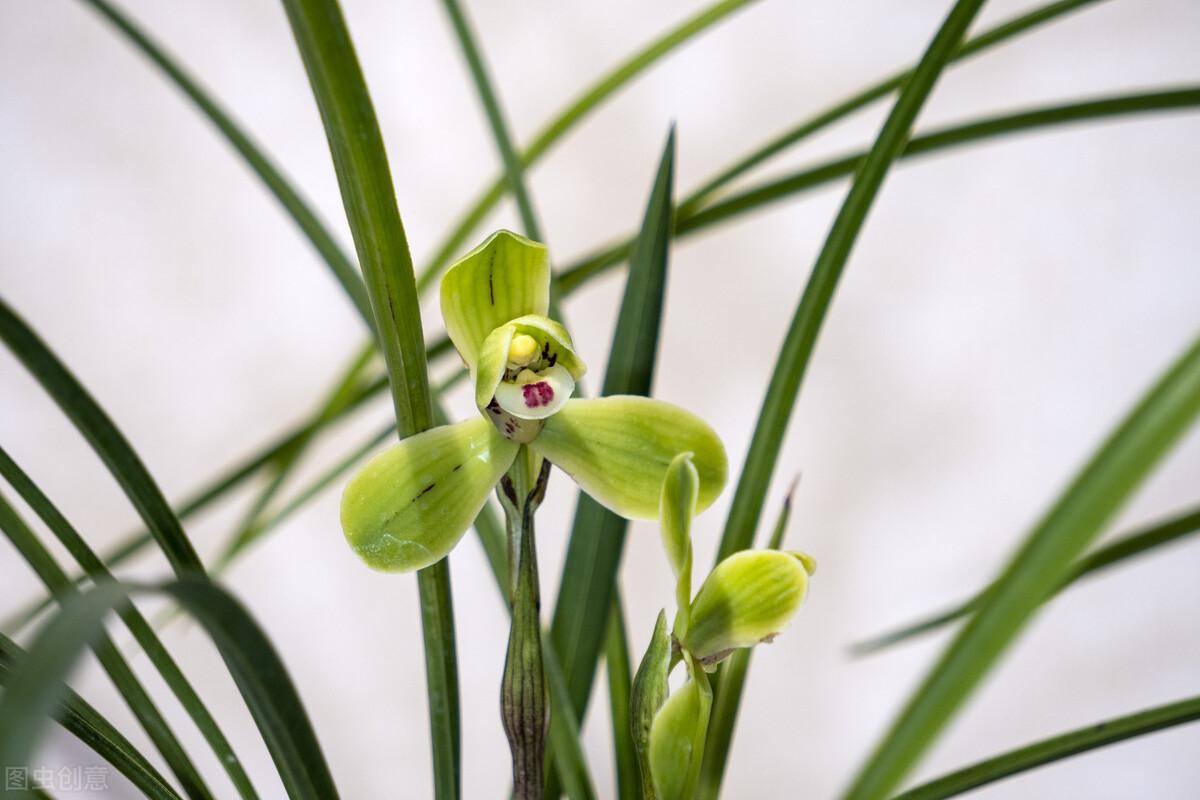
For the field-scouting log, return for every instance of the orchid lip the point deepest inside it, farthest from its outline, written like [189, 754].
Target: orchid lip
[536, 395]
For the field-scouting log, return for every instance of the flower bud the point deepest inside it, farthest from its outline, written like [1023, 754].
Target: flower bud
[677, 738]
[648, 693]
[748, 598]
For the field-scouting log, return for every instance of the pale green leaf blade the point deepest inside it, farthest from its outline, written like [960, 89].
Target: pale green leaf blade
[513, 168]
[1115, 553]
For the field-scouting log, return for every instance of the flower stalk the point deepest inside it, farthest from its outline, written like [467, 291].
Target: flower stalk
[524, 702]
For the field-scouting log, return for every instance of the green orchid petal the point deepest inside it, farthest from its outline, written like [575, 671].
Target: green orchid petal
[676, 509]
[493, 359]
[748, 598]
[409, 505]
[677, 738]
[506, 277]
[618, 450]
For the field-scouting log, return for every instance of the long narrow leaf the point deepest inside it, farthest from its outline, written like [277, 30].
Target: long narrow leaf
[806, 324]
[363, 175]
[1113, 554]
[579, 272]
[112, 447]
[296, 206]
[574, 277]
[342, 394]
[513, 168]
[207, 495]
[620, 689]
[1059, 747]
[598, 535]
[801, 337]
[252, 661]
[823, 119]
[570, 765]
[589, 100]
[138, 626]
[945, 138]
[1041, 564]
[85, 723]
[989, 38]
[120, 673]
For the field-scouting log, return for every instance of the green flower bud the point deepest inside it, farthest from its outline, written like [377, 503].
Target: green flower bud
[648, 693]
[749, 598]
[677, 738]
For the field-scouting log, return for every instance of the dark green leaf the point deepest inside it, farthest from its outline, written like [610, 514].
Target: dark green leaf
[971, 132]
[57, 581]
[104, 438]
[86, 724]
[215, 490]
[110, 658]
[339, 263]
[590, 99]
[809, 316]
[252, 661]
[1059, 747]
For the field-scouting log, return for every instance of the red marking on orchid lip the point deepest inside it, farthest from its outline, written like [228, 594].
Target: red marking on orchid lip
[537, 394]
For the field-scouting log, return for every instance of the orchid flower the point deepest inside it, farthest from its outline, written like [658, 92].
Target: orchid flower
[409, 505]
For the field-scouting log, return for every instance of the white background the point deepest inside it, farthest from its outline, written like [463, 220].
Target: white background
[1003, 307]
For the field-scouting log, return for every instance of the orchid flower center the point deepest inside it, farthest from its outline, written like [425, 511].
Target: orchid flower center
[534, 382]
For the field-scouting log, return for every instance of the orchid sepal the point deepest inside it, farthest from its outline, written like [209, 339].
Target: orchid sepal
[506, 277]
